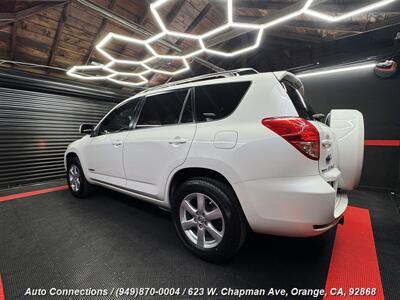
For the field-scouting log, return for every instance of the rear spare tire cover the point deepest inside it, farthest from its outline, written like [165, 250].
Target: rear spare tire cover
[348, 126]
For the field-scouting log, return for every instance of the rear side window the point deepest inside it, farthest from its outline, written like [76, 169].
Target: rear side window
[163, 109]
[214, 102]
[303, 108]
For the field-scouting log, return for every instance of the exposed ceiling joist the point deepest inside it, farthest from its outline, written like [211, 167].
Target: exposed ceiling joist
[13, 36]
[99, 31]
[175, 10]
[13, 40]
[7, 16]
[36, 0]
[57, 37]
[26, 13]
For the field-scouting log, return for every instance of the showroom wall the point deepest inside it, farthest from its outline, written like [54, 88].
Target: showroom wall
[379, 101]
[38, 119]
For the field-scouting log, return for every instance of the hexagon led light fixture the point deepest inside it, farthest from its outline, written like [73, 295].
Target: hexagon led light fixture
[236, 52]
[230, 23]
[74, 72]
[144, 63]
[113, 65]
[77, 71]
[111, 36]
[142, 79]
[183, 60]
[154, 10]
[361, 10]
[178, 35]
[227, 25]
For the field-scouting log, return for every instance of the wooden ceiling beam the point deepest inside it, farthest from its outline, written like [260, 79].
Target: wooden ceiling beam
[146, 15]
[13, 35]
[36, 0]
[7, 16]
[13, 40]
[174, 11]
[95, 41]
[26, 13]
[57, 37]
[196, 21]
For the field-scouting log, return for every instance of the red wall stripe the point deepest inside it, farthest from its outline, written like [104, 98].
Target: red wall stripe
[33, 193]
[385, 143]
[1, 289]
[354, 263]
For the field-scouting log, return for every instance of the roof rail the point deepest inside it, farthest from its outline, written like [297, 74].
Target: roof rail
[227, 73]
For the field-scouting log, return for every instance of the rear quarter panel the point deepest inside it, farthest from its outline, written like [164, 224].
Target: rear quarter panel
[259, 152]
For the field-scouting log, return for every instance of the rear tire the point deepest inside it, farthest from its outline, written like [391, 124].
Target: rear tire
[208, 219]
[77, 183]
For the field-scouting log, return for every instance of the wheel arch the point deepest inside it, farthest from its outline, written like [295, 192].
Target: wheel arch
[190, 172]
[68, 157]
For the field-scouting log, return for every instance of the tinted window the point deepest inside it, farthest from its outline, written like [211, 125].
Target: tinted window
[217, 101]
[119, 119]
[304, 109]
[162, 109]
[187, 113]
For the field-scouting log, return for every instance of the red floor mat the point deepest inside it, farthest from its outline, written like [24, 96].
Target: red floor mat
[32, 193]
[354, 263]
[1, 289]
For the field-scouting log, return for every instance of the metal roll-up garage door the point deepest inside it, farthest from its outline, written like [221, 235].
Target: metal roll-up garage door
[35, 129]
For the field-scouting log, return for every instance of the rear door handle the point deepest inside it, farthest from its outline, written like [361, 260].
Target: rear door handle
[117, 143]
[177, 141]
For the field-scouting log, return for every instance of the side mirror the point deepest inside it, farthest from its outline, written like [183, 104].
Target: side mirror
[86, 128]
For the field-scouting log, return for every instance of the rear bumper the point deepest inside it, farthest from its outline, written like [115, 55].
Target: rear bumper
[294, 206]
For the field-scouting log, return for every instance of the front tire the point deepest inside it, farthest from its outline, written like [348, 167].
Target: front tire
[208, 219]
[77, 183]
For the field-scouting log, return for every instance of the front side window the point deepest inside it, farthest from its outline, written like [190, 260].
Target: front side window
[165, 109]
[214, 102]
[120, 119]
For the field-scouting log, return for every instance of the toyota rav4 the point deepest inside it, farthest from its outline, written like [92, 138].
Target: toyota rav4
[225, 153]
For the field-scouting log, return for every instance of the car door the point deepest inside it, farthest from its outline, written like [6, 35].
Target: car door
[104, 153]
[160, 141]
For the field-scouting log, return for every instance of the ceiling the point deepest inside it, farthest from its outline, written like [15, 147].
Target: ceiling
[61, 34]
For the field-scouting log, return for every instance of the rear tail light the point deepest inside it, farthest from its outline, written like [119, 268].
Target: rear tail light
[300, 133]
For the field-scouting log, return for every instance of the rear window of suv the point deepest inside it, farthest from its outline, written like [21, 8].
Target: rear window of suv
[217, 101]
[301, 105]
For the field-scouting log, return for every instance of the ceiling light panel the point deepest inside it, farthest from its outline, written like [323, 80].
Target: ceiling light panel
[149, 65]
[347, 15]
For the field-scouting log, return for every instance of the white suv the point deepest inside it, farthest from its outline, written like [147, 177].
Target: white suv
[226, 152]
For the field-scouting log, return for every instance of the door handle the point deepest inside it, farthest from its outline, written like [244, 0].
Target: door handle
[177, 141]
[117, 143]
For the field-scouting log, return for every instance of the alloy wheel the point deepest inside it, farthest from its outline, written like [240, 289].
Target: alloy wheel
[202, 220]
[74, 176]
